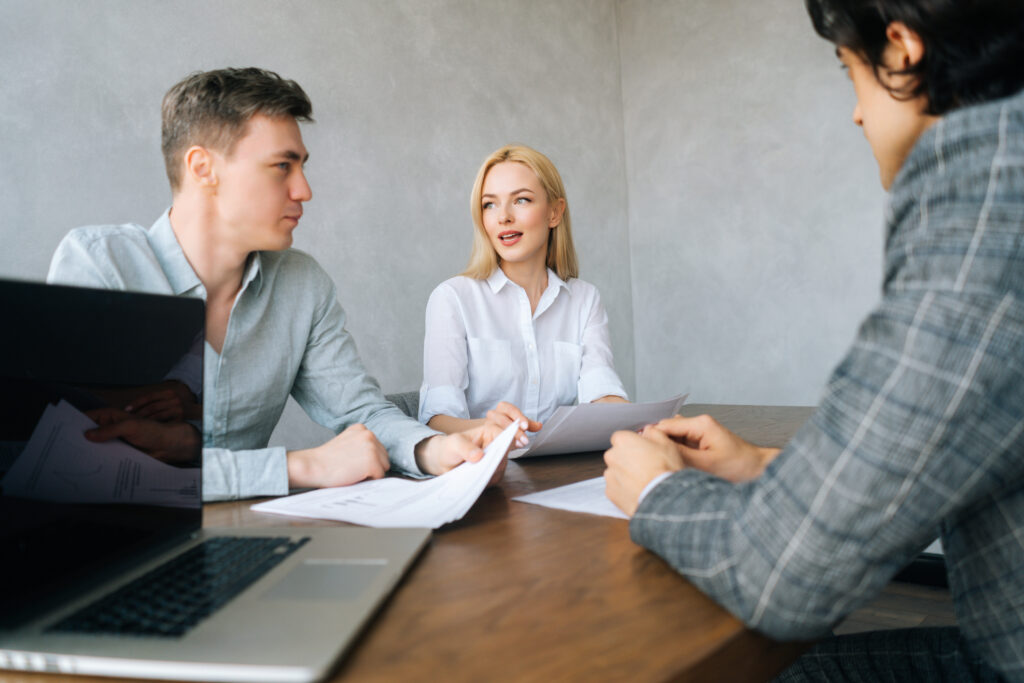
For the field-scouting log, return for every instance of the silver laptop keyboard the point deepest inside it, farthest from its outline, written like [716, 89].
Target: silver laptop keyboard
[176, 596]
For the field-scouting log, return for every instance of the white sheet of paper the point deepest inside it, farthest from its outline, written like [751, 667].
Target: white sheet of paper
[394, 502]
[583, 496]
[589, 426]
[59, 464]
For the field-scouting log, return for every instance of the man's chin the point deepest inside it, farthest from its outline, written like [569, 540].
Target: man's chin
[277, 245]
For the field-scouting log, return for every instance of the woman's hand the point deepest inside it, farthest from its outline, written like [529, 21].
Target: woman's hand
[504, 414]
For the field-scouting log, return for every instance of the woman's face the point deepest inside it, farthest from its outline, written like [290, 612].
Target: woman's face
[516, 213]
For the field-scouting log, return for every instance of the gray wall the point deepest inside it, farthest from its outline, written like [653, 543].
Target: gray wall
[723, 203]
[754, 202]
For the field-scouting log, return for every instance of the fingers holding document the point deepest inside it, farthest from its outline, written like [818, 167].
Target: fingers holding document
[441, 453]
[504, 414]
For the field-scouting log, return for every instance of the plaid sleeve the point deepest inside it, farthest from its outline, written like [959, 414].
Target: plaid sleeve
[919, 420]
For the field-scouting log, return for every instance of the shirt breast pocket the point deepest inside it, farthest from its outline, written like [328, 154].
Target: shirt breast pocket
[490, 372]
[568, 360]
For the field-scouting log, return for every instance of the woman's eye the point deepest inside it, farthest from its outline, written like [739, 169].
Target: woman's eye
[488, 205]
[522, 200]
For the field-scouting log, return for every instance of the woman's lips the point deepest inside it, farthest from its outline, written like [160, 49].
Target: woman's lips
[509, 238]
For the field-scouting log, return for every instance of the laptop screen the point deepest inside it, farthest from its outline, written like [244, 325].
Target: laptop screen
[100, 435]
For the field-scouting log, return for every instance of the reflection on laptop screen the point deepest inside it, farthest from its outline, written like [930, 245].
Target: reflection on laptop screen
[72, 502]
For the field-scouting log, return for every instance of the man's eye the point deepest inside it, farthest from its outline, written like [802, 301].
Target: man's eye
[285, 166]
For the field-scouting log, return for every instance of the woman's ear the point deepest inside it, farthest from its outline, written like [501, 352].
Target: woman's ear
[557, 210]
[905, 47]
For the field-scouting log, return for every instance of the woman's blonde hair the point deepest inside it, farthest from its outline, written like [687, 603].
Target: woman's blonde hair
[561, 256]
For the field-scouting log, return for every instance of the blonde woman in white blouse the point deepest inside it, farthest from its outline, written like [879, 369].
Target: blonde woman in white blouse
[517, 334]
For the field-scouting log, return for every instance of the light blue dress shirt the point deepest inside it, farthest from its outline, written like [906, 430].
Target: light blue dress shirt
[286, 335]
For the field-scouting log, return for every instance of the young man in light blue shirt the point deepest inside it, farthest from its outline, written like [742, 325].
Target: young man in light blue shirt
[234, 155]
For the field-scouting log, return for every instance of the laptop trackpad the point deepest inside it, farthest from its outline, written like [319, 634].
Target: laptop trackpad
[326, 580]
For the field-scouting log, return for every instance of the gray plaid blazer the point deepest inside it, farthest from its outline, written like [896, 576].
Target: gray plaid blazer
[920, 431]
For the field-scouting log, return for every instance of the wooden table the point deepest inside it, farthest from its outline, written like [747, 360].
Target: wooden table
[519, 592]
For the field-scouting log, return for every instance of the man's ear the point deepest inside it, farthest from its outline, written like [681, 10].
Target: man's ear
[199, 166]
[905, 46]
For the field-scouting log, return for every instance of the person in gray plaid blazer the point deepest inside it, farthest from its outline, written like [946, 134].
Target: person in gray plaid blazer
[921, 427]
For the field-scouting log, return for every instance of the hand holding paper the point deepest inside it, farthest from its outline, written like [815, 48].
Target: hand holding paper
[589, 426]
[393, 502]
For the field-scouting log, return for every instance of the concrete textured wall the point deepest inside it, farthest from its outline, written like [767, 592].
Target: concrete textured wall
[723, 203]
[754, 204]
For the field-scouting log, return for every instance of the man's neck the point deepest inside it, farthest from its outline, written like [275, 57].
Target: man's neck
[219, 265]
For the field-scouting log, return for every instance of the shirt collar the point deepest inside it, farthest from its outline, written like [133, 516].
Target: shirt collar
[254, 272]
[172, 259]
[555, 281]
[176, 266]
[498, 279]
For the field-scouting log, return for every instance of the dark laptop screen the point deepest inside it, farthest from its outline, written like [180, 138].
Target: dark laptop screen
[74, 503]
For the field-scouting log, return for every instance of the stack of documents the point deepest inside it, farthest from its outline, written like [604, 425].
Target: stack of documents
[392, 502]
[589, 426]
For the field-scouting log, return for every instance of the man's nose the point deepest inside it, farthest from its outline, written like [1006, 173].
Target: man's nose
[301, 191]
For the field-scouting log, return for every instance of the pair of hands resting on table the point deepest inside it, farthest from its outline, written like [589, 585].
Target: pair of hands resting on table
[634, 460]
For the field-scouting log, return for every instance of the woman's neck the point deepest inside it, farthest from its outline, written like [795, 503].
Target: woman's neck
[532, 277]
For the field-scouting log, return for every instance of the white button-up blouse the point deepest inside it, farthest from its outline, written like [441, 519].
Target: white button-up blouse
[483, 346]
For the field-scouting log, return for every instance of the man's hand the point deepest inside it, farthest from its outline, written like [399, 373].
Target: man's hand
[169, 401]
[177, 443]
[350, 457]
[501, 416]
[440, 453]
[705, 445]
[633, 461]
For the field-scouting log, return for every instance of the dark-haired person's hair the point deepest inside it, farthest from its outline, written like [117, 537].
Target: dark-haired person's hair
[212, 109]
[973, 49]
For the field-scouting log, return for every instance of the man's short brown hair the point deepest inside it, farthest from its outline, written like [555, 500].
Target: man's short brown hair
[212, 109]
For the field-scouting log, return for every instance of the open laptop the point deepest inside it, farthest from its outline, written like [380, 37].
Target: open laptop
[104, 569]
